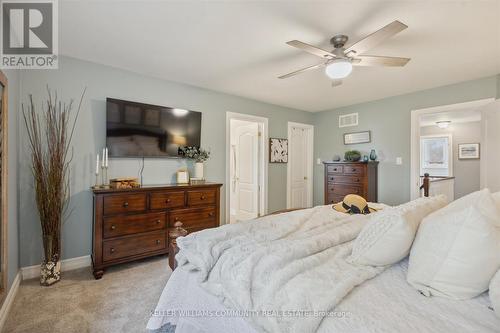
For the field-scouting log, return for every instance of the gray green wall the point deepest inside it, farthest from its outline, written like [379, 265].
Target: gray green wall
[101, 82]
[388, 119]
[389, 122]
[466, 172]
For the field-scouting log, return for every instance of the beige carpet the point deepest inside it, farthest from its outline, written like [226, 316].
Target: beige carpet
[120, 302]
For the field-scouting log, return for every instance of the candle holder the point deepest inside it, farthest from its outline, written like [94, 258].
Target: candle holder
[97, 185]
[104, 175]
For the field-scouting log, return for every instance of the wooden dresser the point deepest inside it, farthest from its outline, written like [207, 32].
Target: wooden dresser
[342, 178]
[131, 224]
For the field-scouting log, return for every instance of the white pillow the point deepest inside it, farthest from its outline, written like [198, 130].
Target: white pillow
[457, 249]
[495, 293]
[388, 236]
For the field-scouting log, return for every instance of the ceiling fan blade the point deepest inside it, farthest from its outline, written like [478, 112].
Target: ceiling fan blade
[336, 83]
[300, 71]
[311, 49]
[376, 38]
[368, 60]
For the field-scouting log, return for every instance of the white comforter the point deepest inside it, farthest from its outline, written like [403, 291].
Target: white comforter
[280, 264]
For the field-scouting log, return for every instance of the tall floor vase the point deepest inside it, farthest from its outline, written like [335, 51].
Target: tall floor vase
[50, 269]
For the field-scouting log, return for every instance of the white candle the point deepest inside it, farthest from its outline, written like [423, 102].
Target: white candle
[97, 165]
[103, 159]
[106, 157]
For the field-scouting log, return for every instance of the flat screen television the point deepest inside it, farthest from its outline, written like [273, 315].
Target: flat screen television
[143, 130]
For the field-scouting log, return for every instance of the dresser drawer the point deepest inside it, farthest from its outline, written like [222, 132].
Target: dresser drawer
[335, 168]
[343, 190]
[133, 245]
[201, 197]
[354, 169]
[334, 198]
[192, 218]
[166, 200]
[124, 203]
[341, 179]
[132, 224]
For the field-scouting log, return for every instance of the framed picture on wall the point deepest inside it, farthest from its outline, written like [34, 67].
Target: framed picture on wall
[468, 151]
[357, 137]
[278, 150]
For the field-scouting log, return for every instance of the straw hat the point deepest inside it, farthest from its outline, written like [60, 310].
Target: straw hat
[353, 204]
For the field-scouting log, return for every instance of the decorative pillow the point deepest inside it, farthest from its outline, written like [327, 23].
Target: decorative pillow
[388, 236]
[457, 249]
[495, 293]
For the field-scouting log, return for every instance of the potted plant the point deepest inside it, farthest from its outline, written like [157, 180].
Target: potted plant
[49, 136]
[352, 155]
[199, 155]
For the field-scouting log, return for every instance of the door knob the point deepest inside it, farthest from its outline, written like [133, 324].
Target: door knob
[305, 178]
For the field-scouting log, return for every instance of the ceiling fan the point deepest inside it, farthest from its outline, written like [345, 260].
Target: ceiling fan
[338, 63]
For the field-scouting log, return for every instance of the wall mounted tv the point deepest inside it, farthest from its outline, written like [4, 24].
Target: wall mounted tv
[143, 130]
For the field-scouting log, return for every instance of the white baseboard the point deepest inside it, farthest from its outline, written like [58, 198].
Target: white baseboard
[9, 300]
[31, 272]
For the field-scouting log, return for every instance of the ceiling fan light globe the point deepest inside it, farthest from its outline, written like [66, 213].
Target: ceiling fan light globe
[338, 69]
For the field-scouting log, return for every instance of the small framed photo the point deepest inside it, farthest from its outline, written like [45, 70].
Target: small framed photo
[468, 151]
[357, 137]
[278, 150]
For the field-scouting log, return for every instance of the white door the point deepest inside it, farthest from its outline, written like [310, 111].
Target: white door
[246, 175]
[298, 168]
[490, 158]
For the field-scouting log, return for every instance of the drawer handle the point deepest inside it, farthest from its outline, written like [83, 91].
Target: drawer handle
[211, 214]
[112, 250]
[202, 197]
[113, 227]
[176, 219]
[357, 179]
[125, 204]
[158, 221]
[167, 201]
[157, 242]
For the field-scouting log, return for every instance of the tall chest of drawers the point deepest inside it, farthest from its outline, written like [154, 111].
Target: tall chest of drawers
[132, 224]
[342, 178]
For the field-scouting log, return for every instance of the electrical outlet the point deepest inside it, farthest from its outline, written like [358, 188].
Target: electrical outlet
[399, 160]
[318, 161]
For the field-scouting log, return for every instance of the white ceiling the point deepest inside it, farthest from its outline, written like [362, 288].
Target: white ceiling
[238, 47]
[455, 116]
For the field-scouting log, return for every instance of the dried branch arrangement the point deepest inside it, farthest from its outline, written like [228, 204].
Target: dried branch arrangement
[49, 135]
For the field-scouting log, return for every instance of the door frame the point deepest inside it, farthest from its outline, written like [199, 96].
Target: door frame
[310, 163]
[5, 180]
[263, 153]
[415, 137]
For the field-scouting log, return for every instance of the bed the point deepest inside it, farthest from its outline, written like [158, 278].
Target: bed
[297, 264]
[375, 306]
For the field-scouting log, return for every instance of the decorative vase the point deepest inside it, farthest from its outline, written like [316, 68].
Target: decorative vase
[198, 170]
[50, 272]
[373, 155]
